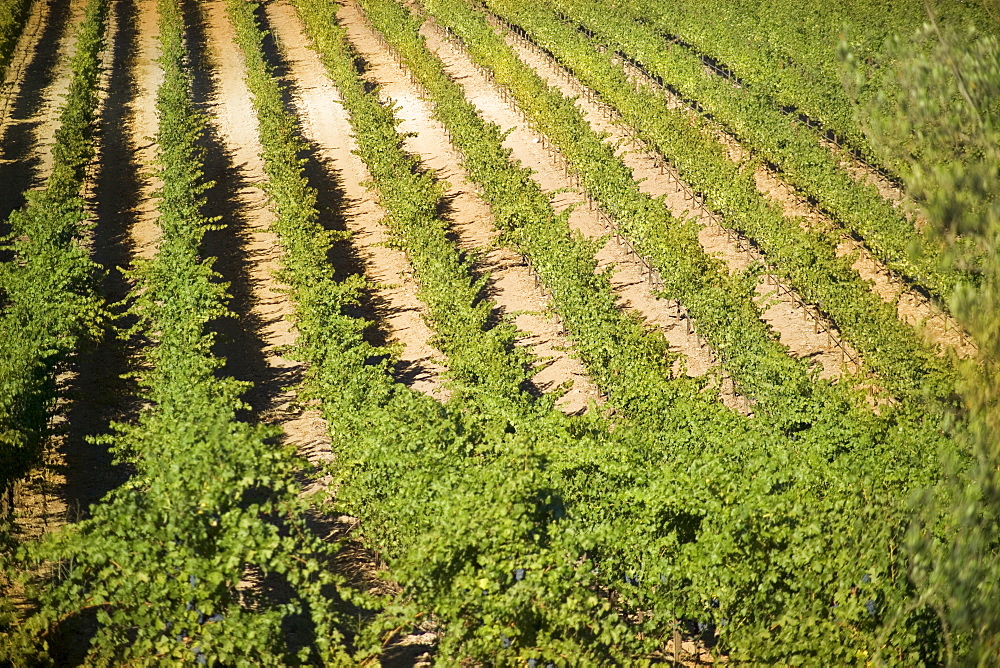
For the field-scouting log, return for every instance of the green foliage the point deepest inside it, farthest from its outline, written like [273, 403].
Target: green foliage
[546, 538]
[942, 121]
[794, 148]
[50, 305]
[521, 533]
[786, 50]
[164, 562]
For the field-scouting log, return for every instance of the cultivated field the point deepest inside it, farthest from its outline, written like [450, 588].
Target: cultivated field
[474, 332]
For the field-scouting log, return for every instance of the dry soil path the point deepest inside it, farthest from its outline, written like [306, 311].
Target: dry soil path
[249, 253]
[143, 123]
[338, 173]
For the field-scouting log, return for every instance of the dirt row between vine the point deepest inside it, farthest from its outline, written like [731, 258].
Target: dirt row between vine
[64, 485]
[96, 392]
[346, 204]
[146, 79]
[250, 255]
[393, 301]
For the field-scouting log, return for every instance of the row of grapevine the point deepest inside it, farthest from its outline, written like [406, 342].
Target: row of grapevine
[807, 259]
[164, 561]
[482, 357]
[50, 305]
[843, 468]
[519, 534]
[804, 162]
[709, 517]
[13, 14]
[456, 497]
[757, 58]
[787, 50]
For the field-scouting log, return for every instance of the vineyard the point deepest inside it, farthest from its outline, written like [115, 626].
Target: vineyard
[488, 332]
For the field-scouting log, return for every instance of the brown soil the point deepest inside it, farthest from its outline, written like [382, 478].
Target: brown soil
[511, 285]
[143, 126]
[249, 254]
[629, 283]
[97, 393]
[55, 93]
[865, 173]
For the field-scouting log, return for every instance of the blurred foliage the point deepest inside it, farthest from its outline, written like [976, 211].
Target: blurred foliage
[942, 122]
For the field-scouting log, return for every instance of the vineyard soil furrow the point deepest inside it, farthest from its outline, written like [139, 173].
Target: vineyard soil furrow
[629, 283]
[72, 474]
[510, 285]
[889, 189]
[253, 256]
[795, 327]
[142, 126]
[94, 391]
[393, 297]
[302, 424]
[248, 253]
